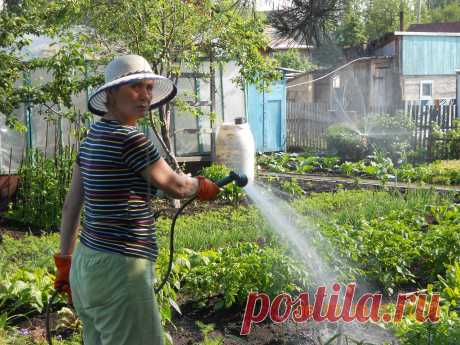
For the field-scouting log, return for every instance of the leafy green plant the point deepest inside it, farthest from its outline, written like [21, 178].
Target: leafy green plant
[447, 329]
[377, 166]
[347, 143]
[231, 192]
[26, 291]
[42, 190]
[206, 329]
[230, 272]
[367, 229]
[292, 187]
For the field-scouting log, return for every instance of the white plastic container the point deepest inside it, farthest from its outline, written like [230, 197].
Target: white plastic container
[235, 148]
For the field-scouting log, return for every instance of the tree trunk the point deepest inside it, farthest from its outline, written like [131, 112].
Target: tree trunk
[164, 138]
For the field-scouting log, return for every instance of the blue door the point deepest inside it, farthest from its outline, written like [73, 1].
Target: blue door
[266, 113]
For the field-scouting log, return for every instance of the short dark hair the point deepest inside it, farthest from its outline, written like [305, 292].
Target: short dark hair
[112, 88]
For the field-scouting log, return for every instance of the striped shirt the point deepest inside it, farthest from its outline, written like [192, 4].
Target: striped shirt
[118, 216]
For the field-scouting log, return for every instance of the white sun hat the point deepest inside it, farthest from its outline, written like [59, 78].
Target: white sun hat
[125, 69]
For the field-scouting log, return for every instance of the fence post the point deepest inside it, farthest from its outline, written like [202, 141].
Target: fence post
[28, 113]
[430, 134]
[458, 93]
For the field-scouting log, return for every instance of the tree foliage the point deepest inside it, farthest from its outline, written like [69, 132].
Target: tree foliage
[382, 16]
[292, 59]
[19, 24]
[449, 12]
[352, 30]
[173, 35]
[308, 21]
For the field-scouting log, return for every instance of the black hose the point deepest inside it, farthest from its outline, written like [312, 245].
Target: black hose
[163, 282]
[171, 244]
[47, 317]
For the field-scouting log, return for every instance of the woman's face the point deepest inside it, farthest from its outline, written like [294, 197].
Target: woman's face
[131, 100]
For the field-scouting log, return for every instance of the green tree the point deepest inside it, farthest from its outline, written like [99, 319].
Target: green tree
[172, 35]
[449, 12]
[352, 30]
[20, 22]
[382, 16]
[175, 34]
[291, 58]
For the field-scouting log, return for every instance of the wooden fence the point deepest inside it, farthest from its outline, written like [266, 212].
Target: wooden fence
[306, 125]
[426, 118]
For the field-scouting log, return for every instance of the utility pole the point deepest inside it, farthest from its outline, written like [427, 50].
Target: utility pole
[458, 94]
[401, 15]
[419, 10]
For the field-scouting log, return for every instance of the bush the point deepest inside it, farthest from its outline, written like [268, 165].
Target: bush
[42, 190]
[389, 134]
[446, 145]
[347, 143]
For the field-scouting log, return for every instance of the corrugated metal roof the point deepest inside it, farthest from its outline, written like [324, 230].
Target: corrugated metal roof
[278, 42]
[435, 27]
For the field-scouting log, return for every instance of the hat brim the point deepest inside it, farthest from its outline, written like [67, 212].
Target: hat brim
[163, 91]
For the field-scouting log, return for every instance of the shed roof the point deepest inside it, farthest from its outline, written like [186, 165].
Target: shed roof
[453, 27]
[278, 42]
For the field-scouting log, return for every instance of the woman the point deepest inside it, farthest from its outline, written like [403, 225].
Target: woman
[117, 170]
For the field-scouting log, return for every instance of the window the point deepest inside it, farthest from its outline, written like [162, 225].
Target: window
[426, 90]
[336, 82]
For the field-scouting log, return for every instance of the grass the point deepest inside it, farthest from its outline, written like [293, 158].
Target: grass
[393, 239]
[30, 252]
[215, 229]
[354, 206]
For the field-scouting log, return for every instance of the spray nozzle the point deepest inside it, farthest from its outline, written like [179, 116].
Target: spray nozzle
[240, 180]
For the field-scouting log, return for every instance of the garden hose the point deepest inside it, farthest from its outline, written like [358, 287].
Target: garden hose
[240, 180]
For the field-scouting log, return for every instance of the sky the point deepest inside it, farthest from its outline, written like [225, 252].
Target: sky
[265, 5]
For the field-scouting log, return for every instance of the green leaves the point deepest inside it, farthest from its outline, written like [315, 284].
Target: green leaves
[44, 185]
[230, 272]
[25, 291]
[377, 166]
[231, 192]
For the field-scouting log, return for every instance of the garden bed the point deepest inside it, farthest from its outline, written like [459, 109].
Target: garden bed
[444, 173]
[398, 242]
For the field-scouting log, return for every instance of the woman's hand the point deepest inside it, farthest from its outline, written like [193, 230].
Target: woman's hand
[61, 283]
[207, 190]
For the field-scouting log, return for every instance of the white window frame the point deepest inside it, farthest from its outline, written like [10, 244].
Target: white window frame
[422, 97]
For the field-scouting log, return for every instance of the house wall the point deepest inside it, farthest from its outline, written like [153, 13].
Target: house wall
[443, 86]
[370, 85]
[430, 55]
[365, 86]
